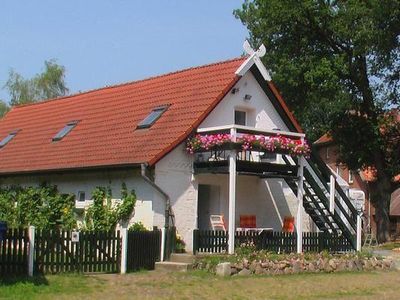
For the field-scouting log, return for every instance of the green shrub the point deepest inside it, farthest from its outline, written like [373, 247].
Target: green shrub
[103, 215]
[137, 226]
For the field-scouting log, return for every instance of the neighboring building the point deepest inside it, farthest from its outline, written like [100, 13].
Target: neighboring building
[136, 133]
[358, 181]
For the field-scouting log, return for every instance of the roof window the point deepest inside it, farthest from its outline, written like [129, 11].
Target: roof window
[8, 138]
[154, 115]
[63, 132]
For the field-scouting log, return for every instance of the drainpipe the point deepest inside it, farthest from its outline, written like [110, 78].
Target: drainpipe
[168, 211]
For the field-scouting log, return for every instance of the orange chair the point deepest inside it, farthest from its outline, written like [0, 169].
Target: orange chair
[248, 221]
[288, 224]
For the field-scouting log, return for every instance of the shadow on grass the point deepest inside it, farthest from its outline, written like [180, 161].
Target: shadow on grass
[36, 280]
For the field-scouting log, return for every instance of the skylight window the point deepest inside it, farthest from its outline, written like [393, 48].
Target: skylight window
[63, 132]
[8, 138]
[152, 117]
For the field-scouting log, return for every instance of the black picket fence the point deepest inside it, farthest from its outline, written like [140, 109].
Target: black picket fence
[14, 252]
[93, 251]
[216, 241]
[143, 249]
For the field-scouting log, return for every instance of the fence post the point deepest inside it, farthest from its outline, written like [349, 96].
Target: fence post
[163, 237]
[124, 249]
[31, 254]
[358, 231]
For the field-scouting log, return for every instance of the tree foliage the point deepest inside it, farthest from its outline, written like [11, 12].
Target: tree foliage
[338, 65]
[3, 108]
[46, 85]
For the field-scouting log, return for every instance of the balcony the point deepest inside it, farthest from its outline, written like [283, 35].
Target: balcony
[257, 152]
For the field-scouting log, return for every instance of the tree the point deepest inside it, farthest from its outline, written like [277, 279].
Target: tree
[46, 85]
[3, 108]
[337, 63]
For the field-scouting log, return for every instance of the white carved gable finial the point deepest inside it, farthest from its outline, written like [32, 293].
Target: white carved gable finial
[253, 59]
[250, 51]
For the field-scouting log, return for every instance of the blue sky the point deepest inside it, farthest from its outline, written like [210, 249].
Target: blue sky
[107, 42]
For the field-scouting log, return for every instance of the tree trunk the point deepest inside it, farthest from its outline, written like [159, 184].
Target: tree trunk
[380, 197]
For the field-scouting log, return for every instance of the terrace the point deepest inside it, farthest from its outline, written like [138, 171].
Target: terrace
[237, 151]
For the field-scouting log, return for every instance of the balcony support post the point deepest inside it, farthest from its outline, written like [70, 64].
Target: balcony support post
[232, 197]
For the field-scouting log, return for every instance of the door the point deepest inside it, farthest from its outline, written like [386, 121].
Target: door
[208, 204]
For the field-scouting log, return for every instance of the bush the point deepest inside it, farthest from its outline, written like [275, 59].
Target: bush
[44, 207]
[103, 215]
[137, 226]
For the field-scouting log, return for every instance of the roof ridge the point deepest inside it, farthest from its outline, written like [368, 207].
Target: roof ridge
[129, 82]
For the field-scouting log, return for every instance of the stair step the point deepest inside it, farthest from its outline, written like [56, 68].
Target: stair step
[182, 258]
[170, 266]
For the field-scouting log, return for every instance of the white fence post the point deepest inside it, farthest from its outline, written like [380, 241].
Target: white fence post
[124, 249]
[162, 244]
[358, 231]
[332, 194]
[31, 253]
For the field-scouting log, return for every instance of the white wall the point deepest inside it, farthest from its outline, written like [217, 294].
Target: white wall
[174, 175]
[72, 183]
[261, 112]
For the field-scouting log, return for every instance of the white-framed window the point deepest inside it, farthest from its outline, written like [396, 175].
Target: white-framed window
[81, 197]
[351, 176]
[339, 170]
[240, 117]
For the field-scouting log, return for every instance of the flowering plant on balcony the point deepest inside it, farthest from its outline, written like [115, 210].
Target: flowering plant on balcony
[206, 142]
[249, 142]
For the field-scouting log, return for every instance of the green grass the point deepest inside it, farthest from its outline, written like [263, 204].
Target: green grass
[389, 246]
[46, 287]
[203, 285]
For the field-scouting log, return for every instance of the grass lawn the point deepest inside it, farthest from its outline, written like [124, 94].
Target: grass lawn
[200, 285]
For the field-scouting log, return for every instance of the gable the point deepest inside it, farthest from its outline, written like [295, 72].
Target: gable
[259, 110]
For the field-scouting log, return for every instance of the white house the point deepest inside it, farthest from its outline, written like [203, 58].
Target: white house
[136, 133]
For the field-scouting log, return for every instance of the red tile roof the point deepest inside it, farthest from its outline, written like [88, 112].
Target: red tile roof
[325, 139]
[106, 134]
[395, 203]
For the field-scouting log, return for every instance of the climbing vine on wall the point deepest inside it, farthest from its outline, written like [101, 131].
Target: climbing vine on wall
[103, 214]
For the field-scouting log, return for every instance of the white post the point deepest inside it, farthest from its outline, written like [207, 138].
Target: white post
[358, 231]
[124, 249]
[332, 194]
[31, 250]
[300, 193]
[162, 244]
[232, 196]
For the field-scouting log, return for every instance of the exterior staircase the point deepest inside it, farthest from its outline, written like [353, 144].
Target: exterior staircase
[316, 200]
[179, 262]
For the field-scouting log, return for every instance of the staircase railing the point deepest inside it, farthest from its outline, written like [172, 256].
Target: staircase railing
[323, 173]
[326, 173]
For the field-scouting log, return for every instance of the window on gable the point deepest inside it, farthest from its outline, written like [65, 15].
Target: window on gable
[240, 117]
[154, 115]
[81, 196]
[8, 138]
[351, 176]
[63, 132]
